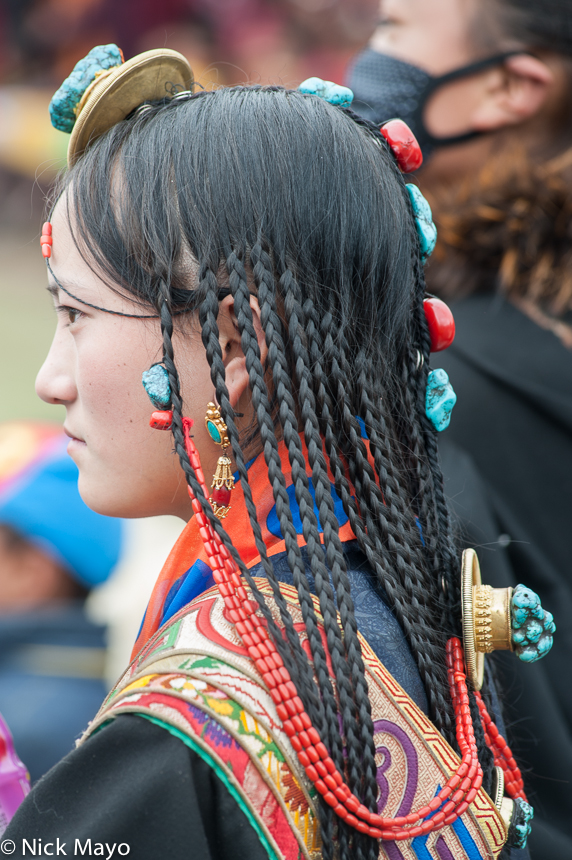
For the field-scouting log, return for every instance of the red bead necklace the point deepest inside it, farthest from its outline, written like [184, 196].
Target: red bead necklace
[502, 754]
[460, 789]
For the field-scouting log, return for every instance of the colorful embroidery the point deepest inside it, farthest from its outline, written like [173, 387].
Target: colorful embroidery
[194, 674]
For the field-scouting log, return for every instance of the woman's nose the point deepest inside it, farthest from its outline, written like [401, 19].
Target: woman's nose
[55, 381]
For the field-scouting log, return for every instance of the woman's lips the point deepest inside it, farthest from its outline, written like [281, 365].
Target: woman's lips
[74, 440]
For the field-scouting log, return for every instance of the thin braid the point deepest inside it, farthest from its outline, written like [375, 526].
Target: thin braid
[449, 560]
[330, 526]
[298, 663]
[445, 545]
[261, 404]
[369, 539]
[180, 448]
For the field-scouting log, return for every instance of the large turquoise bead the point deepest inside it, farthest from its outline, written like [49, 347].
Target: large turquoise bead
[532, 626]
[327, 90]
[65, 101]
[426, 230]
[439, 399]
[156, 384]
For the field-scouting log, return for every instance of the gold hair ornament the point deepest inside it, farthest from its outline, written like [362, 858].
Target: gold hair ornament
[102, 91]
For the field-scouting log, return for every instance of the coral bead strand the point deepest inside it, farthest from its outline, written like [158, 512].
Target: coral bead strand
[502, 753]
[455, 796]
[46, 240]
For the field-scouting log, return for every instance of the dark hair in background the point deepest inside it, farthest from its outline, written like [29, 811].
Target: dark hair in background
[511, 227]
[303, 204]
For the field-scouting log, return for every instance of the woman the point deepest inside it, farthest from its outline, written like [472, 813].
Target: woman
[259, 249]
[498, 74]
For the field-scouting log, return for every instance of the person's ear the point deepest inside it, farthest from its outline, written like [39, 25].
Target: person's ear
[237, 377]
[514, 93]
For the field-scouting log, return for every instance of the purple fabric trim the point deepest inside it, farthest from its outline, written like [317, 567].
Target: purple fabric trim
[412, 765]
[391, 848]
[442, 850]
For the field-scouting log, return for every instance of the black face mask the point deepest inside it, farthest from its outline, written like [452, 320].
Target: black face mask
[385, 88]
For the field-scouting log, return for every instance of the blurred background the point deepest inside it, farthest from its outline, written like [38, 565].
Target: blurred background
[226, 42]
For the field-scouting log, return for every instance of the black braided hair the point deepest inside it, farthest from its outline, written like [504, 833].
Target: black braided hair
[301, 204]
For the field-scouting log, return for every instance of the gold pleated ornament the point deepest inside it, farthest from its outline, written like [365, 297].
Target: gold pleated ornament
[223, 480]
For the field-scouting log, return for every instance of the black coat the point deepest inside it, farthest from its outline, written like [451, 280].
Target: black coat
[514, 417]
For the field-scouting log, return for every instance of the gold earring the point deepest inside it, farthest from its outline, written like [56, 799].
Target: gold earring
[223, 481]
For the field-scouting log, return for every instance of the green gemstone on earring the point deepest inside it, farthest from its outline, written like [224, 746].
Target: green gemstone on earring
[213, 432]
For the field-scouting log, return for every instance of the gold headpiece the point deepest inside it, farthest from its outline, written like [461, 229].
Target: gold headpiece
[102, 90]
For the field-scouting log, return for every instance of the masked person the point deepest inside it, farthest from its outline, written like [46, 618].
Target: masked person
[53, 551]
[298, 687]
[486, 88]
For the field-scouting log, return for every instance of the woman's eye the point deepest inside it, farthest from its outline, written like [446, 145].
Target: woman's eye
[69, 315]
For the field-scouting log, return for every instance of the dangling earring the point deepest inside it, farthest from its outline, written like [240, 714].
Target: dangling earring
[223, 482]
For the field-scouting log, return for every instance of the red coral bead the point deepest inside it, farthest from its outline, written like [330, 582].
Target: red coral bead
[46, 251]
[440, 322]
[161, 420]
[47, 228]
[403, 144]
[221, 496]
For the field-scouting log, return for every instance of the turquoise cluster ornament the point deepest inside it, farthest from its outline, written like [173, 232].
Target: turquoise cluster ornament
[63, 106]
[327, 90]
[439, 399]
[156, 384]
[426, 229]
[532, 626]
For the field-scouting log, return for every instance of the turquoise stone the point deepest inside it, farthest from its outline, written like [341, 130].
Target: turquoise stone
[327, 90]
[532, 626]
[213, 432]
[426, 229]
[156, 384]
[64, 103]
[524, 813]
[439, 399]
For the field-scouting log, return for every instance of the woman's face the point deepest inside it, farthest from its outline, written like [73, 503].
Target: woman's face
[432, 34]
[94, 369]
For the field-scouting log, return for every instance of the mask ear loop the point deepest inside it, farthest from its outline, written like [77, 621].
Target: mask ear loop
[441, 81]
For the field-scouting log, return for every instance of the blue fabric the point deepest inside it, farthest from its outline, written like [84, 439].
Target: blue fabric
[273, 523]
[44, 505]
[419, 844]
[197, 579]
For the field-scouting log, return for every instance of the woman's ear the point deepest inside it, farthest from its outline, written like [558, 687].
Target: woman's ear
[237, 378]
[503, 96]
[515, 92]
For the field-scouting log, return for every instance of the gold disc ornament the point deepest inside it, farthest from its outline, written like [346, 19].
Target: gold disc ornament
[486, 618]
[102, 90]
